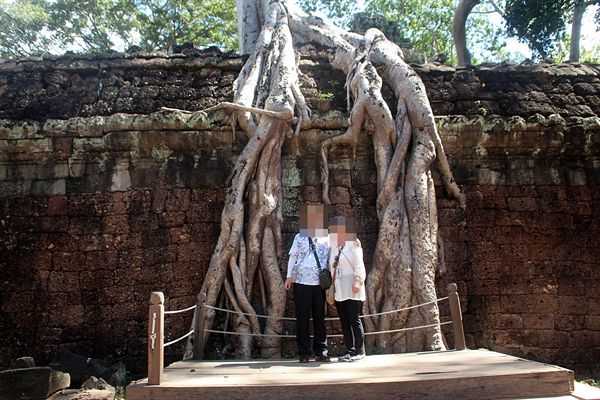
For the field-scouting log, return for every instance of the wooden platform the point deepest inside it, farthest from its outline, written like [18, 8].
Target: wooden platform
[467, 374]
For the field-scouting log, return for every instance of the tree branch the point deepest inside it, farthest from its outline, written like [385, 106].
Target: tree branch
[237, 107]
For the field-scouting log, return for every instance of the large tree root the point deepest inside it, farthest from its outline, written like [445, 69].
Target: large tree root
[406, 256]
[267, 101]
[266, 94]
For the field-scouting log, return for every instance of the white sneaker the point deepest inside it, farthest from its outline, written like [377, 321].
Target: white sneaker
[345, 358]
[357, 356]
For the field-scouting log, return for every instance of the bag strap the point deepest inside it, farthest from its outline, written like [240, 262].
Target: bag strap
[337, 260]
[312, 247]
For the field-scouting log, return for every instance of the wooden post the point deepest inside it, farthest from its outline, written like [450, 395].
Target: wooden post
[457, 325]
[199, 327]
[156, 338]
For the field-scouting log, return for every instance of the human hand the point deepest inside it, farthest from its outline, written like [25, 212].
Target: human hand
[287, 284]
[356, 286]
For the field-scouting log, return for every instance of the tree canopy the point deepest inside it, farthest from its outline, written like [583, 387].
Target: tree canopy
[35, 27]
[427, 24]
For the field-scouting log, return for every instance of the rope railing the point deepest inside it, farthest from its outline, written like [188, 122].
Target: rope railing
[329, 336]
[156, 315]
[326, 319]
[179, 339]
[180, 311]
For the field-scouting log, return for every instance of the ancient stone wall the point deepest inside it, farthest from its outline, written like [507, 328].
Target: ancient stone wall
[98, 207]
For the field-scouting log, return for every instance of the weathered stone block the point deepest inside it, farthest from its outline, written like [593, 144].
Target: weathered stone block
[23, 362]
[522, 203]
[120, 179]
[538, 321]
[55, 187]
[339, 195]
[572, 305]
[115, 224]
[171, 219]
[62, 145]
[32, 383]
[506, 321]
[569, 322]
[592, 322]
[179, 235]
[178, 200]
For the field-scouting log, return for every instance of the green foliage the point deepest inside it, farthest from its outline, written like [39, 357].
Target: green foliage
[340, 11]
[175, 21]
[21, 26]
[33, 27]
[325, 96]
[427, 24]
[539, 23]
[92, 25]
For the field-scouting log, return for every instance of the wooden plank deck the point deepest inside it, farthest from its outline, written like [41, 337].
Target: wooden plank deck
[467, 374]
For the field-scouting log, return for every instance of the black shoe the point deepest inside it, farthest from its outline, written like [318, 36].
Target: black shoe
[345, 358]
[303, 359]
[357, 356]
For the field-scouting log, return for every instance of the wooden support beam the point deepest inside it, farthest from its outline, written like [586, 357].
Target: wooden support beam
[457, 325]
[156, 339]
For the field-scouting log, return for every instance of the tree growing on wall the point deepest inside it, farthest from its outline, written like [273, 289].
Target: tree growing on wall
[269, 107]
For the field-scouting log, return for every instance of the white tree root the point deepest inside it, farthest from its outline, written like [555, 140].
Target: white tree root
[248, 251]
[406, 256]
[267, 101]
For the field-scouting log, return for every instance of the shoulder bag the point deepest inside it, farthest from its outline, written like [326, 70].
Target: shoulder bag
[325, 279]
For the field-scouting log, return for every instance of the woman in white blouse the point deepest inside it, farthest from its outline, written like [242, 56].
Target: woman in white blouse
[307, 255]
[348, 271]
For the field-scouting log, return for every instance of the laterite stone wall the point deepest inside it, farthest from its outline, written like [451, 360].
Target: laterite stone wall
[103, 198]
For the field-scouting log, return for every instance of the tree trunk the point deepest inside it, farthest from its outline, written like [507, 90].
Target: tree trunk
[248, 16]
[248, 251]
[574, 45]
[459, 33]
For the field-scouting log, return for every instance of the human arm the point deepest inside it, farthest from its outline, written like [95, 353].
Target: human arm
[291, 264]
[360, 273]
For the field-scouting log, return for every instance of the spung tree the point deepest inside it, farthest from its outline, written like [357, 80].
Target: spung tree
[269, 106]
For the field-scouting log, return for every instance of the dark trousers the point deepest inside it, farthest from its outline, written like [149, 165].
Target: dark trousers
[349, 311]
[310, 300]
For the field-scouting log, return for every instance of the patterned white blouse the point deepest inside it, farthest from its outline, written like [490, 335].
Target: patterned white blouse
[302, 266]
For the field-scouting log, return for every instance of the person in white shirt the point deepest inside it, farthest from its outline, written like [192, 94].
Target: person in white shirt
[310, 245]
[348, 272]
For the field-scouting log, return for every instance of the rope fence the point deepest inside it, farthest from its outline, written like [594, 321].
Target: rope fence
[157, 313]
[326, 319]
[178, 340]
[180, 311]
[328, 336]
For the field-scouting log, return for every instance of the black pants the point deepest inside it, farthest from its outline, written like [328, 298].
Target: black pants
[349, 311]
[310, 299]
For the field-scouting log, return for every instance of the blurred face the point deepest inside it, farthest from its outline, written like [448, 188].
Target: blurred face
[312, 220]
[342, 230]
